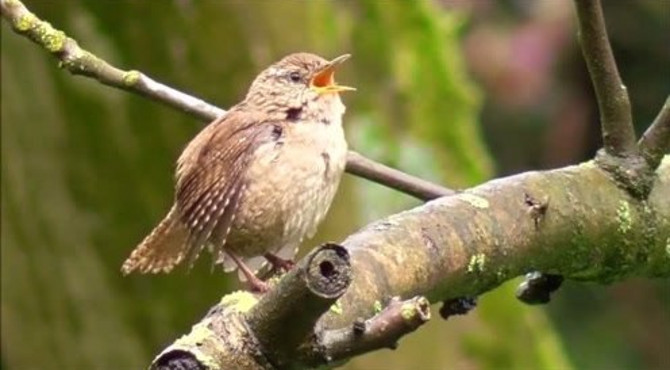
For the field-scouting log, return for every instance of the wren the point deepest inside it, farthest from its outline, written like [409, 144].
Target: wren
[258, 180]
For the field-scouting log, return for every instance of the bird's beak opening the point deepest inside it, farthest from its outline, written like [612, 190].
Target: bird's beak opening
[323, 80]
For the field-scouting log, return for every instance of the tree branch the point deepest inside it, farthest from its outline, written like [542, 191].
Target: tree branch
[655, 142]
[381, 331]
[467, 244]
[373, 171]
[82, 62]
[285, 316]
[456, 246]
[613, 102]
[78, 61]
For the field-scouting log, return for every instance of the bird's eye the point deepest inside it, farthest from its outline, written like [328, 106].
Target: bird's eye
[295, 76]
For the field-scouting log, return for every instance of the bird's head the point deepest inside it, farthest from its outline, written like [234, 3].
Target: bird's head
[297, 81]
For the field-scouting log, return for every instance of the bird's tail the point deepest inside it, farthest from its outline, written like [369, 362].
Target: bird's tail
[162, 250]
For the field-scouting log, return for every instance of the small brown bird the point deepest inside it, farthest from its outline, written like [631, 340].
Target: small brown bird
[254, 182]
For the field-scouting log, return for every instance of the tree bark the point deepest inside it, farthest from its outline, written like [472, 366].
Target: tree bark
[469, 243]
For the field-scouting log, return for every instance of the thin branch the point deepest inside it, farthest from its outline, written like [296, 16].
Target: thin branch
[377, 172]
[613, 102]
[655, 142]
[82, 62]
[383, 330]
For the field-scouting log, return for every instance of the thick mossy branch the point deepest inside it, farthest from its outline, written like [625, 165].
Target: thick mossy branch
[247, 332]
[613, 101]
[285, 316]
[82, 62]
[655, 143]
[458, 246]
[221, 340]
[467, 244]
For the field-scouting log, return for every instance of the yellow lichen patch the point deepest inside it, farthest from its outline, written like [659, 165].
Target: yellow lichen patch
[377, 307]
[192, 342]
[624, 216]
[477, 262]
[199, 333]
[587, 164]
[131, 78]
[407, 311]
[54, 40]
[240, 301]
[274, 279]
[25, 22]
[336, 308]
[474, 200]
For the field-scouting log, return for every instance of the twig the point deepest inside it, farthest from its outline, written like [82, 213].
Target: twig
[613, 102]
[381, 331]
[377, 172]
[82, 62]
[655, 142]
[78, 61]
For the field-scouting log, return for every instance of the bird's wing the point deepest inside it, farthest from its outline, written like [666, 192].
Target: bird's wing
[210, 176]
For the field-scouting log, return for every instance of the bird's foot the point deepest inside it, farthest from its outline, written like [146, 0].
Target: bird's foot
[279, 263]
[257, 285]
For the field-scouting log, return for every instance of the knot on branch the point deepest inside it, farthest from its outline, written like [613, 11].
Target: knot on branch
[632, 173]
[538, 287]
[457, 306]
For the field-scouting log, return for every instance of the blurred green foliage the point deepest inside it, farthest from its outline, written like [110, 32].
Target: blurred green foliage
[87, 170]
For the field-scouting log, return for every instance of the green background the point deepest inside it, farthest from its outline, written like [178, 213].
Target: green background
[87, 170]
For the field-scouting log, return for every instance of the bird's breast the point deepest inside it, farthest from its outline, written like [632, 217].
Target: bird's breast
[291, 182]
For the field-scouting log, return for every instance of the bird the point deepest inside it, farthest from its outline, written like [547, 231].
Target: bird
[252, 184]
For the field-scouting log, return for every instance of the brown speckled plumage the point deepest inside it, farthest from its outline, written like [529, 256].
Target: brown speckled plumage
[259, 179]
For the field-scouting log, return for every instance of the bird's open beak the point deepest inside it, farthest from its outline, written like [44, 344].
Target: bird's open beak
[323, 80]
